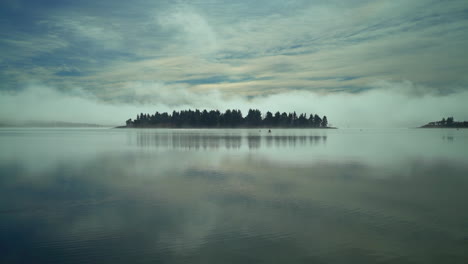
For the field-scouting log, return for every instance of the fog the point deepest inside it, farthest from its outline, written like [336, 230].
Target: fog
[384, 104]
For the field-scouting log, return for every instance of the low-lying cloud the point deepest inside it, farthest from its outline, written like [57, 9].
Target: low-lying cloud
[386, 104]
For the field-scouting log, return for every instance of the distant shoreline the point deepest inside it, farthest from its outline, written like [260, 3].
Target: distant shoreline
[57, 124]
[446, 123]
[425, 126]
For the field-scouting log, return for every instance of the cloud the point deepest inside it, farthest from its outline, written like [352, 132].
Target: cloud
[386, 104]
[42, 103]
[318, 47]
[210, 54]
[196, 34]
[95, 29]
[21, 46]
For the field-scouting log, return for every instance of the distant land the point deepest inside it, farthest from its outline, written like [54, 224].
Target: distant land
[228, 119]
[48, 124]
[446, 123]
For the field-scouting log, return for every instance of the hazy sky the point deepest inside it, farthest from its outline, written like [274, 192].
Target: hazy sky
[391, 63]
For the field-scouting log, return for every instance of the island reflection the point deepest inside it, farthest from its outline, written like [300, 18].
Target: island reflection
[177, 140]
[192, 196]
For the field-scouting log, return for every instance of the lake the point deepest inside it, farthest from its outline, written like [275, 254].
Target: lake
[233, 196]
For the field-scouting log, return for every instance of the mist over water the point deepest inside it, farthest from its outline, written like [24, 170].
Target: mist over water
[383, 105]
[233, 196]
[75, 189]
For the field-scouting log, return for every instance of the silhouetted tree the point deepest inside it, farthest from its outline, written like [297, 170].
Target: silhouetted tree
[317, 120]
[324, 121]
[254, 117]
[442, 122]
[268, 121]
[230, 118]
[302, 121]
[449, 121]
[276, 119]
[129, 122]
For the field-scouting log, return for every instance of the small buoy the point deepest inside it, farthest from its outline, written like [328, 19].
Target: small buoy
[269, 130]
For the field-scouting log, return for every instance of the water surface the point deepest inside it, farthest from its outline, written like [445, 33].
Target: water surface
[233, 196]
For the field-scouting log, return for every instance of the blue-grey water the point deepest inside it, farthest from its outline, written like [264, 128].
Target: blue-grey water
[233, 196]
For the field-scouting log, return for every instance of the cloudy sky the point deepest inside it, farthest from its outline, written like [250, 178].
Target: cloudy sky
[393, 63]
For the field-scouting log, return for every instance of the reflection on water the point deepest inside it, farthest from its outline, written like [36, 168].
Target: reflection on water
[233, 196]
[195, 141]
[448, 138]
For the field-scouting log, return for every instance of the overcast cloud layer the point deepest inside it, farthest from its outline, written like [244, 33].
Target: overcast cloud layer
[105, 61]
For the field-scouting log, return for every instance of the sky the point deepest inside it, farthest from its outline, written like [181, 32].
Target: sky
[362, 63]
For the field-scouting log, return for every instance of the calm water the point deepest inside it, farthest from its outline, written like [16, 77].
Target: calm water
[233, 196]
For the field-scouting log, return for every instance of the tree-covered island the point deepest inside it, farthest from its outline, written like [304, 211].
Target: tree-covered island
[228, 119]
[446, 123]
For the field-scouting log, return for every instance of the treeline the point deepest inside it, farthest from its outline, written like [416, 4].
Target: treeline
[449, 122]
[228, 119]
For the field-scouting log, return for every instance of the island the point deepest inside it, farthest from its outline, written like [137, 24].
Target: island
[446, 123]
[229, 119]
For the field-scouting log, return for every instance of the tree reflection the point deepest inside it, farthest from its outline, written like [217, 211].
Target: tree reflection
[192, 140]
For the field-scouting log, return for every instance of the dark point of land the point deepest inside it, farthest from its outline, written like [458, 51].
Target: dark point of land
[446, 123]
[228, 119]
